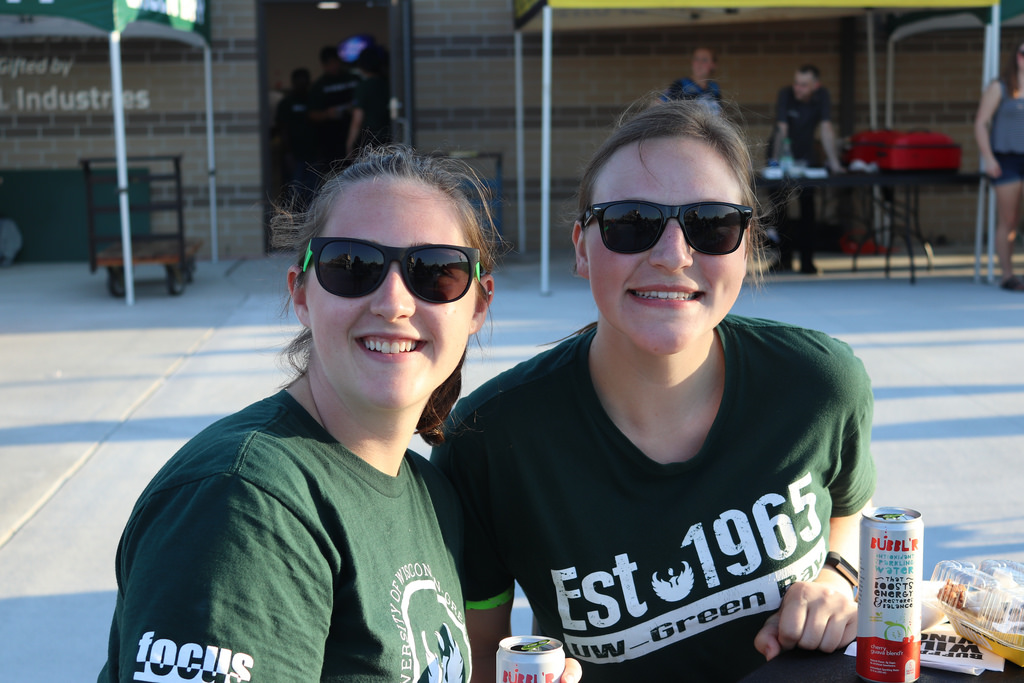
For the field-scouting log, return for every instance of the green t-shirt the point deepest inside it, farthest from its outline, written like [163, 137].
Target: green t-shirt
[266, 551]
[648, 571]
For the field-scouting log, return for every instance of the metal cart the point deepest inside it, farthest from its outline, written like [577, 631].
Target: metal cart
[171, 249]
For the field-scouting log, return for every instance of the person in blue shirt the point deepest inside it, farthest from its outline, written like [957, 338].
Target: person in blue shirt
[699, 85]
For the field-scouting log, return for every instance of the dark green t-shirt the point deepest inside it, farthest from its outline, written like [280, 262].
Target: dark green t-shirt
[266, 551]
[653, 572]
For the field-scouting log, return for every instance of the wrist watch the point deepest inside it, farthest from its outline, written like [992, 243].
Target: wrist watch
[844, 568]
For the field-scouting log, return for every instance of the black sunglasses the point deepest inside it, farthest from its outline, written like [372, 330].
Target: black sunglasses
[436, 273]
[633, 226]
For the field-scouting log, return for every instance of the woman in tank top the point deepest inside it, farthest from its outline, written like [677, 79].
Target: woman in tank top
[999, 130]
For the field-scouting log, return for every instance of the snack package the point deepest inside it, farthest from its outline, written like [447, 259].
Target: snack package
[985, 604]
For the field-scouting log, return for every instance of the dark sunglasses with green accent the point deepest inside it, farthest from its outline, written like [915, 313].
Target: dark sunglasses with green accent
[435, 273]
[632, 226]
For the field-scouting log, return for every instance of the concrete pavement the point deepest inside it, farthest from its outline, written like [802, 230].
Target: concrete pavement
[96, 395]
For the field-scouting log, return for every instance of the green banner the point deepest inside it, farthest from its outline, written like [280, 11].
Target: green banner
[183, 15]
[192, 16]
[96, 13]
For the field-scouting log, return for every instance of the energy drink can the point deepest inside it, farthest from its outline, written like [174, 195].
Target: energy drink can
[889, 600]
[530, 659]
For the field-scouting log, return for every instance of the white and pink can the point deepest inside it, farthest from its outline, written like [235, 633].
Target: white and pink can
[530, 659]
[888, 596]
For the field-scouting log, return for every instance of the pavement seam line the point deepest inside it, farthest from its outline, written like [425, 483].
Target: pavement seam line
[91, 450]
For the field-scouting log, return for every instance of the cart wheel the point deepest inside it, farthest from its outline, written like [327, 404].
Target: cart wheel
[175, 280]
[115, 281]
[190, 267]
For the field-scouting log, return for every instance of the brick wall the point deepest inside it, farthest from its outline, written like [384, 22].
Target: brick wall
[464, 54]
[465, 91]
[37, 132]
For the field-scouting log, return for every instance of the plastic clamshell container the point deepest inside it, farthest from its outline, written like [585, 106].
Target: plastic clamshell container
[985, 604]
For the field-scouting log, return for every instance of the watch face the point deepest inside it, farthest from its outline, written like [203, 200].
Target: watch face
[836, 561]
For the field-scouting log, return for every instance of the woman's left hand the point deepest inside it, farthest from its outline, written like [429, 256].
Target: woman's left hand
[814, 616]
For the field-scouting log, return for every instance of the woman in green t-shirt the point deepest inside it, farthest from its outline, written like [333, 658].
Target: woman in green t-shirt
[674, 487]
[299, 539]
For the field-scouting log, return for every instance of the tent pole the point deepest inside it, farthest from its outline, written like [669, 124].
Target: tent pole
[211, 159]
[520, 148]
[997, 23]
[981, 220]
[991, 235]
[890, 75]
[120, 150]
[545, 170]
[872, 75]
[880, 217]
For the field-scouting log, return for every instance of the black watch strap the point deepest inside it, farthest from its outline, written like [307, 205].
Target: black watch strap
[845, 569]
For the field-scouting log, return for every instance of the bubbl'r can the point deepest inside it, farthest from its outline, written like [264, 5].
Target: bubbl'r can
[530, 659]
[888, 596]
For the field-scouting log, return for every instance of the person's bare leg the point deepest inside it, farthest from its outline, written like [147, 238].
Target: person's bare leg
[1008, 198]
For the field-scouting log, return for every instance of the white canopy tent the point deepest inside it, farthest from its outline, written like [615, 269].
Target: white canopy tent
[618, 13]
[186, 21]
[1011, 13]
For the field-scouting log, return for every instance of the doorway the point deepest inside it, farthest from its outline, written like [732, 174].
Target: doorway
[291, 34]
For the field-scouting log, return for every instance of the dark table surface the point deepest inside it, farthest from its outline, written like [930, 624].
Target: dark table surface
[797, 666]
[888, 179]
[906, 183]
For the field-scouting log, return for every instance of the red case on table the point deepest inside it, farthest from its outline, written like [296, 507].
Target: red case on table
[895, 150]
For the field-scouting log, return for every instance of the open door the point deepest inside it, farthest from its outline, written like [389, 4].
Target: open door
[291, 34]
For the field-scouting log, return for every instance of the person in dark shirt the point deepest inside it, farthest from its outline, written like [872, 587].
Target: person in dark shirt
[298, 139]
[802, 109]
[330, 108]
[371, 118]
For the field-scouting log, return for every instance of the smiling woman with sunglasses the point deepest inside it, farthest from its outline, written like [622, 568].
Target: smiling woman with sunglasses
[718, 464]
[299, 539]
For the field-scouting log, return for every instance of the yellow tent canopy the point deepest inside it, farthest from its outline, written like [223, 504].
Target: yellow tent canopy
[624, 13]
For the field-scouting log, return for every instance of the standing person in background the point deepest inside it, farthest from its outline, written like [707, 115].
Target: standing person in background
[699, 84]
[669, 485]
[298, 138]
[801, 110]
[330, 108]
[299, 539]
[999, 131]
[371, 116]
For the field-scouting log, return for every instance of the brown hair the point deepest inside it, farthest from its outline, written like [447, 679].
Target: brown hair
[291, 231]
[654, 119]
[810, 69]
[1012, 71]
